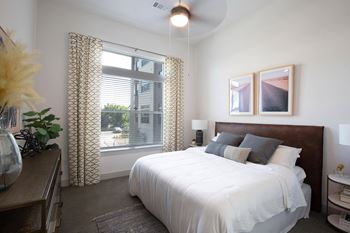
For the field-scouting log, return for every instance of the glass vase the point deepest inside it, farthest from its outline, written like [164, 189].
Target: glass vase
[10, 160]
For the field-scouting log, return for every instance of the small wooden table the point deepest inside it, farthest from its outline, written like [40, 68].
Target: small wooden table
[32, 203]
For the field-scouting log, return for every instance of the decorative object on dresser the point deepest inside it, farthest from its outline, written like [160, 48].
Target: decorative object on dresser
[10, 119]
[339, 200]
[276, 91]
[30, 144]
[242, 95]
[10, 160]
[33, 203]
[17, 69]
[45, 127]
[199, 126]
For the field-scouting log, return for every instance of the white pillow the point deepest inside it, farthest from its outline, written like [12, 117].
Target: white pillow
[285, 156]
[215, 138]
[300, 174]
[237, 154]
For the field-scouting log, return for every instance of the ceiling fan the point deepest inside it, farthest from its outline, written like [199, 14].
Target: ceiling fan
[193, 11]
[180, 15]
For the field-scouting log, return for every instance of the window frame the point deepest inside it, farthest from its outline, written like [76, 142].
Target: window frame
[134, 74]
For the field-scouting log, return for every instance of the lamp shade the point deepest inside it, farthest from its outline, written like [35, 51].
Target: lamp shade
[344, 134]
[199, 124]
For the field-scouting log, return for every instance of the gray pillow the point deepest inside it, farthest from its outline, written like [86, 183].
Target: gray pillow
[229, 139]
[237, 154]
[262, 148]
[216, 148]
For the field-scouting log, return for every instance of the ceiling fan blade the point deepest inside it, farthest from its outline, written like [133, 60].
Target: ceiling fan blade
[203, 10]
[196, 19]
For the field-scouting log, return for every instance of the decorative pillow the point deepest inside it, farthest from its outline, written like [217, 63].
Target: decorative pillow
[300, 174]
[237, 154]
[215, 138]
[262, 148]
[285, 156]
[229, 139]
[216, 148]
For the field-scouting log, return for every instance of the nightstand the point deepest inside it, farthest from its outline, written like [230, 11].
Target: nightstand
[192, 145]
[334, 199]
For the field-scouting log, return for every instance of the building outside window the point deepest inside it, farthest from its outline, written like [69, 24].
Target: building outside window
[144, 116]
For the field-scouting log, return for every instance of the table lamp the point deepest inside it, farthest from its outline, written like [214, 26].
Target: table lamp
[344, 134]
[199, 125]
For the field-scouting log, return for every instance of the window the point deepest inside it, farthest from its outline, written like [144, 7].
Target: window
[145, 86]
[116, 60]
[131, 101]
[144, 116]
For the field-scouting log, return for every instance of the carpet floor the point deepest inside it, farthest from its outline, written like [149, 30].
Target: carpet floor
[82, 204]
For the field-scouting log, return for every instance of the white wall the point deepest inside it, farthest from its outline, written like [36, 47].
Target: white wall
[19, 17]
[55, 20]
[312, 34]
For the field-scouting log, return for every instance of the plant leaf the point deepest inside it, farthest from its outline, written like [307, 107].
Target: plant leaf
[38, 124]
[53, 134]
[43, 139]
[30, 119]
[30, 113]
[41, 131]
[50, 117]
[44, 111]
[55, 128]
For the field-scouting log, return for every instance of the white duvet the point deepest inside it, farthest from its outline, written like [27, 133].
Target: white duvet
[195, 192]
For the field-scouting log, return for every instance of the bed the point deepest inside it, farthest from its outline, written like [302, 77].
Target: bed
[192, 191]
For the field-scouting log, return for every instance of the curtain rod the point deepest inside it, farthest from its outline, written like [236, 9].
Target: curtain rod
[136, 49]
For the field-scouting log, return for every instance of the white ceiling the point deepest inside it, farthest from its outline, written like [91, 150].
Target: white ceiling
[206, 15]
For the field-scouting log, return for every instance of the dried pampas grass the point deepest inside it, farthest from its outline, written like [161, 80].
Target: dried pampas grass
[17, 71]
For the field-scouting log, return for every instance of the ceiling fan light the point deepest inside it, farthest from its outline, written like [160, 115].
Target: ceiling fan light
[179, 16]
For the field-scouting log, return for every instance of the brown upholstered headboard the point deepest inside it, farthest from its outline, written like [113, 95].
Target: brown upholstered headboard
[309, 138]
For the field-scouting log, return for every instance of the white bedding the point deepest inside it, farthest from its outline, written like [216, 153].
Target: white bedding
[195, 192]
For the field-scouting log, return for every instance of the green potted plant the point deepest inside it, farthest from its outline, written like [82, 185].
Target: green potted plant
[18, 68]
[44, 125]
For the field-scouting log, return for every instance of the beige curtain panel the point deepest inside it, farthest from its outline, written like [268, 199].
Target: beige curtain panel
[173, 105]
[84, 116]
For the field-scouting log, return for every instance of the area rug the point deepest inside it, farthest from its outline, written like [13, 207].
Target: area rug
[134, 219]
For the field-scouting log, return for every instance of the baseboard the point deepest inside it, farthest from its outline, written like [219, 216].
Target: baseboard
[106, 176]
[64, 183]
[111, 175]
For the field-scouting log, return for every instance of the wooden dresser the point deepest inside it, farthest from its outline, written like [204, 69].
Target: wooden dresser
[33, 202]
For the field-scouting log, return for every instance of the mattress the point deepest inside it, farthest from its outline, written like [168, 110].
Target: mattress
[285, 221]
[193, 192]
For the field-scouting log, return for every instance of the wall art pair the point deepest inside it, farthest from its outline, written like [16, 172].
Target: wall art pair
[272, 90]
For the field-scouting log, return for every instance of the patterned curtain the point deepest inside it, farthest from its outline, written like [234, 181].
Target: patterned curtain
[84, 116]
[173, 105]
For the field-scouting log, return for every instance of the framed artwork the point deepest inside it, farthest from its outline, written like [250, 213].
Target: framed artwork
[276, 91]
[242, 95]
[2, 36]
[5, 40]
[11, 116]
